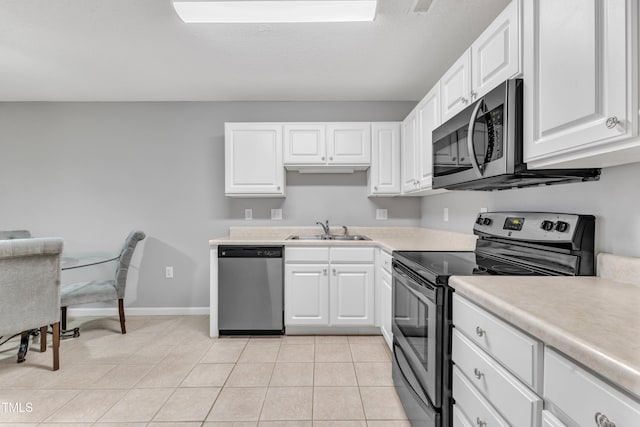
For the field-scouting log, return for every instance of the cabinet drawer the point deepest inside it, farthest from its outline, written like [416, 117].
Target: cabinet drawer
[459, 420]
[385, 261]
[580, 395]
[515, 350]
[352, 255]
[519, 405]
[471, 403]
[320, 254]
[548, 420]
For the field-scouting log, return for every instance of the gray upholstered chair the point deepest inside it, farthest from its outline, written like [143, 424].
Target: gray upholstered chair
[30, 290]
[102, 290]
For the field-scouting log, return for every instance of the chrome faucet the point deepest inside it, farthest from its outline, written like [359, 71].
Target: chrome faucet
[325, 229]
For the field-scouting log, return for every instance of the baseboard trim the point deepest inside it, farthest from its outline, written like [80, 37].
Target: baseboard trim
[138, 311]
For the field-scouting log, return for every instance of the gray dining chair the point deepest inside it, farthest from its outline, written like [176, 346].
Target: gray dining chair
[101, 290]
[30, 291]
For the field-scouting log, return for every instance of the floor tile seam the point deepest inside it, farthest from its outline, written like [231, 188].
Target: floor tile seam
[222, 387]
[123, 397]
[359, 392]
[44, 419]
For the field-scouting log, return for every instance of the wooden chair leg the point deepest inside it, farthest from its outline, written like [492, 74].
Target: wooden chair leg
[24, 346]
[121, 313]
[56, 346]
[63, 317]
[43, 339]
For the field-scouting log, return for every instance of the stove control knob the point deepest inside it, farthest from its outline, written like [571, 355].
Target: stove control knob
[487, 221]
[547, 225]
[479, 220]
[562, 226]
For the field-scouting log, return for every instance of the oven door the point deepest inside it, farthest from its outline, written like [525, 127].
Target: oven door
[417, 330]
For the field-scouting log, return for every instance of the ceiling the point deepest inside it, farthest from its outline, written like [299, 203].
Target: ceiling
[139, 50]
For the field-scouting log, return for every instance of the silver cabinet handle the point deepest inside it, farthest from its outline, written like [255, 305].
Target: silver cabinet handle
[323, 158]
[473, 94]
[464, 100]
[603, 421]
[612, 122]
[480, 423]
[375, 188]
[324, 271]
[278, 188]
[477, 373]
[479, 331]
[335, 272]
[330, 158]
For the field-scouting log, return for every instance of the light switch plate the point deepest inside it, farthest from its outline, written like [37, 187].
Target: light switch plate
[276, 214]
[445, 214]
[248, 214]
[381, 214]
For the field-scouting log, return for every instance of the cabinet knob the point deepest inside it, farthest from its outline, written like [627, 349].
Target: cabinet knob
[324, 271]
[480, 423]
[335, 272]
[323, 158]
[479, 331]
[612, 122]
[477, 373]
[464, 100]
[278, 188]
[603, 421]
[330, 158]
[375, 188]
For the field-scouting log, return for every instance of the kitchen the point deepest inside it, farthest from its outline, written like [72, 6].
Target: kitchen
[165, 162]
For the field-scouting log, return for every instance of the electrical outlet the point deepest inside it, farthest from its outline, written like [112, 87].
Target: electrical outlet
[381, 214]
[445, 214]
[248, 214]
[483, 210]
[168, 272]
[276, 214]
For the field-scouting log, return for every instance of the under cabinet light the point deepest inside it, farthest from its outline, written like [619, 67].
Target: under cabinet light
[275, 11]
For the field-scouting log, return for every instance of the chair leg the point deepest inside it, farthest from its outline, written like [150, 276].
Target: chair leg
[63, 317]
[43, 339]
[121, 313]
[24, 346]
[56, 346]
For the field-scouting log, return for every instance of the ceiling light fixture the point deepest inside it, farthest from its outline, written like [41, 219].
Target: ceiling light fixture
[275, 11]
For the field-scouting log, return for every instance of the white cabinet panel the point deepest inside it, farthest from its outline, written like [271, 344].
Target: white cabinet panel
[385, 307]
[472, 404]
[353, 255]
[306, 294]
[349, 143]
[455, 86]
[253, 159]
[409, 173]
[305, 144]
[459, 419]
[384, 174]
[579, 93]
[549, 420]
[495, 55]
[428, 114]
[352, 295]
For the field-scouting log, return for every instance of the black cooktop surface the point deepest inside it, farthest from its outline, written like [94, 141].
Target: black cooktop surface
[439, 266]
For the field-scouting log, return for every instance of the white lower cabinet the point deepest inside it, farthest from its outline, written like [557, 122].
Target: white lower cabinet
[329, 287]
[472, 404]
[549, 420]
[386, 301]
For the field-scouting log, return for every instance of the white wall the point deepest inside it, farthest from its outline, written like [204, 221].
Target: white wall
[91, 172]
[614, 200]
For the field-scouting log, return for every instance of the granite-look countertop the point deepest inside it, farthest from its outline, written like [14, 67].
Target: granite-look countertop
[387, 238]
[594, 320]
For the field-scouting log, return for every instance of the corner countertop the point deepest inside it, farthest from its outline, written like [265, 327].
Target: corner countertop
[594, 320]
[388, 238]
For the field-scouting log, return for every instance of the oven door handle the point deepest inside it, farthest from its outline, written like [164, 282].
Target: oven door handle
[408, 284]
[470, 145]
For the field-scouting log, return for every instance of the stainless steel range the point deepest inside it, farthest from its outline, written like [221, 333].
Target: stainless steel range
[509, 243]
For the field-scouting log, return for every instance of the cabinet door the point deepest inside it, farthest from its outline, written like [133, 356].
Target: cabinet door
[409, 175]
[385, 312]
[306, 294]
[549, 420]
[384, 174]
[305, 144]
[495, 55]
[253, 159]
[577, 78]
[428, 113]
[349, 143]
[351, 290]
[455, 87]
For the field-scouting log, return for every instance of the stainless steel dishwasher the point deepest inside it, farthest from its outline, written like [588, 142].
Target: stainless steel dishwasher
[250, 290]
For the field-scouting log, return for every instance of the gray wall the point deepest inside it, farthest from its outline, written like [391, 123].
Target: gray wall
[90, 172]
[614, 200]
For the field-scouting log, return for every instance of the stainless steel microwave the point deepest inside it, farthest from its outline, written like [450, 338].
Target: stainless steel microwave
[481, 147]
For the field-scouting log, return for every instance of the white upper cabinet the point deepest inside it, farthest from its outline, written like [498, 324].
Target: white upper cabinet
[349, 143]
[384, 174]
[253, 160]
[409, 173]
[495, 55]
[305, 144]
[581, 83]
[428, 114]
[456, 87]
[493, 58]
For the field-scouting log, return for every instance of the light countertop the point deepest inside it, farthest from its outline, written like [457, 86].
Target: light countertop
[594, 320]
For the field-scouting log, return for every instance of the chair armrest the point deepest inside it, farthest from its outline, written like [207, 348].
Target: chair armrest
[30, 247]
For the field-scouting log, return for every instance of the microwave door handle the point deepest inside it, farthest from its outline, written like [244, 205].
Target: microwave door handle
[470, 145]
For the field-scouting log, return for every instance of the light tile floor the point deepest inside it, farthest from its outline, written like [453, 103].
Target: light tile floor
[167, 371]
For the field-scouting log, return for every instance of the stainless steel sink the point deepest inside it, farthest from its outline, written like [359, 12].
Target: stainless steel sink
[353, 237]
